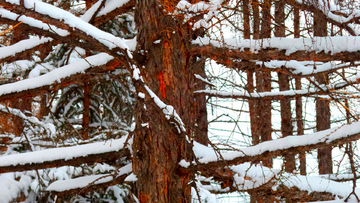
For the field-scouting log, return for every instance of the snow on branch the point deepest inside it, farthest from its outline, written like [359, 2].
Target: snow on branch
[305, 68]
[279, 147]
[84, 184]
[249, 177]
[22, 46]
[34, 120]
[168, 110]
[320, 90]
[322, 49]
[32, 22]
[328, 45]
[58, 17]
[54, 77]
[110, 9]
[328, 10]
[76, 155]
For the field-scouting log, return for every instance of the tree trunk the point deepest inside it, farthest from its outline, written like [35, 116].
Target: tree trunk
[253, 104]
[86, 112]
[263, 82]
[168, 71]
[285, 103]
[322, 106]
[299, 118]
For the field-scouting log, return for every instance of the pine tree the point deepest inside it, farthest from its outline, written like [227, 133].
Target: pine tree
[112, 100]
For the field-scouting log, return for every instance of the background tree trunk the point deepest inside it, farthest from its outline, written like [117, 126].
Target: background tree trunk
[285, 103]
[322, 106]
[263, 82]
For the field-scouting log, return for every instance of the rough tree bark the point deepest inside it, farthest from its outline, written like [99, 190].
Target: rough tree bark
[285, 103]
[169, 72]
[263, 82]
[299, 118]
[322, 106]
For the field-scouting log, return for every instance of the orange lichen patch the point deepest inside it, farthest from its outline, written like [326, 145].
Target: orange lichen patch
[226, 183]
[160, 78]
[167, 70]
[166, 55]
[144, 197]
[169, 5]
[113, 64]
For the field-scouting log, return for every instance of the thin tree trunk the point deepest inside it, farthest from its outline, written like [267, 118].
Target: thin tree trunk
[285, 104]
[263, 82]
[201, 127]
[322, 106]
[250, 78]
[253, 104]
[300, 126]
[86, 112]
[299, 119]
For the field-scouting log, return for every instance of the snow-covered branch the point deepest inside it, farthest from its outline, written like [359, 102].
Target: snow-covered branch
[57, 78]
[85, 184]
[111, 9]
[322, 49]
[327, 9]
[320, 90]
[279, 147]
[60, 18]
[110, 150]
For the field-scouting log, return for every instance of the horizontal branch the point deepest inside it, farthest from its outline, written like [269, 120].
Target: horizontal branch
[109, 12]
[74, 156]
[325, 90]
[296, 69]
[27, 26]
[249, 177]
[83, 185]
[57, 17]
[321, 49]
[282, 146]
[14, 52]
[59, 78]
[331, 17]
